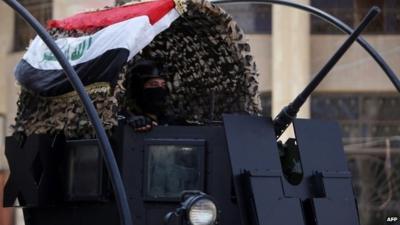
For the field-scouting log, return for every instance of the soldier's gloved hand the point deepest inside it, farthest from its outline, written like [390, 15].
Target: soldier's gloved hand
[140, 123]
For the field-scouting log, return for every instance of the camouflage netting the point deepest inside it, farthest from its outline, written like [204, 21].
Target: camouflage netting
[210, 72]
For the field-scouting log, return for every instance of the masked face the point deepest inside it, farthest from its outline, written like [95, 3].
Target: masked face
[153, 100]
[153, 97]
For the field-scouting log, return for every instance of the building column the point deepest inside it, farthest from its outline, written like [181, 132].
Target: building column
[290, 56]
[6, 214]
[62, 8]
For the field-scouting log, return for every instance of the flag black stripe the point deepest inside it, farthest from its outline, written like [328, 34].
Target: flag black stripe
[48, 83]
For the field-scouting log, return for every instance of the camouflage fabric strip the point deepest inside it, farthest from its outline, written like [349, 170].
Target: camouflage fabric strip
[65, 114]
[208, 60]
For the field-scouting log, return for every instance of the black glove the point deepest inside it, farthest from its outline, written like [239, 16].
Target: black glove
[21, 138]
[139, 122]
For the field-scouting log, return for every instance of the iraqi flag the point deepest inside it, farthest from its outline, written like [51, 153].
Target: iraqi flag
[98, 57]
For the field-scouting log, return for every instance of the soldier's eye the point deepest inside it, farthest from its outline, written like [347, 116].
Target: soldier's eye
[154, 84]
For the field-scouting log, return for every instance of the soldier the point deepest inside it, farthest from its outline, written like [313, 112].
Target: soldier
[149, 92]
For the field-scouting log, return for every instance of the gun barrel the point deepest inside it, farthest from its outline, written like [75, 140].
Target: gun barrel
[288, 113]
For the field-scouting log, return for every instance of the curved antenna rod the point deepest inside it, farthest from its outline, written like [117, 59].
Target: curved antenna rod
[332, 20]
[111, 164]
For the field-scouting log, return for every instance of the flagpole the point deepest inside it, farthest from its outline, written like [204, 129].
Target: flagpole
[105, 146]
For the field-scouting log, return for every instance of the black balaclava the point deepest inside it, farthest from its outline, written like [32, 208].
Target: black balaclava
[153, 101]
[150, 100]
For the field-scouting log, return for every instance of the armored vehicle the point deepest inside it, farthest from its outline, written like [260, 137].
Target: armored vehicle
[223, 165]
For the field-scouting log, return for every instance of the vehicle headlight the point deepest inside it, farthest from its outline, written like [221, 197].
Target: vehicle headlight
[196, 208]
[202, 212]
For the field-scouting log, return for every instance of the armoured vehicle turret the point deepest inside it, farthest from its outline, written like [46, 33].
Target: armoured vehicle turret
[224, 165]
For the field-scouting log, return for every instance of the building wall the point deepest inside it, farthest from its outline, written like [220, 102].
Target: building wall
[355, 72]
[7, 88]
[261, 49]
[64, 8]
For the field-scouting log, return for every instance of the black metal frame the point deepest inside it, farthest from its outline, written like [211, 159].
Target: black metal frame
[333, 21]
[201, 156]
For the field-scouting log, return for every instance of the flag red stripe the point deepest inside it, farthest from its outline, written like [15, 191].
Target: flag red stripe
[96, 20]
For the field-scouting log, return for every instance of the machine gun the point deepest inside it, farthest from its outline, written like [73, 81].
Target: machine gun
[62, 181]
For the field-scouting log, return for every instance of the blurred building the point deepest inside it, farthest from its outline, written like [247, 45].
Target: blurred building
[289, 47]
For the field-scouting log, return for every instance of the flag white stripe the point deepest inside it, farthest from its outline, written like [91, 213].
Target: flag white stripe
[133, 34]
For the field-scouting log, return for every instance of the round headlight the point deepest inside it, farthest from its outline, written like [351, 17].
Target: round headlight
[203, 212]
